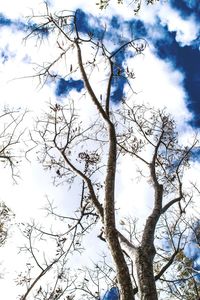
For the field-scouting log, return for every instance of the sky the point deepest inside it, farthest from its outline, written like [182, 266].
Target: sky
[166, 74]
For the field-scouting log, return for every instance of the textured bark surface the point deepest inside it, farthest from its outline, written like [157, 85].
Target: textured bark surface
[123, 276]
[144, 267]
[146, 252]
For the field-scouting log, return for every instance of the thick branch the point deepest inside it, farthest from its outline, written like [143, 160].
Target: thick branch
[175, 200]
[123, 276]
[42, 273]
[109, 88]
[127, 246]
[167, 265]
[87, 83]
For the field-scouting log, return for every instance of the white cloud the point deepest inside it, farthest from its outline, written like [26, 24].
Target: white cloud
[160, 84]
[21, 8]
[186, 28]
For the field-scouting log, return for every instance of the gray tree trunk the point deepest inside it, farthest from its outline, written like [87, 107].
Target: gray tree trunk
[145, 276]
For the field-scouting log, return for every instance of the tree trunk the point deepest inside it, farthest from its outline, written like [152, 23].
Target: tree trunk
[144, 268]
[123, 276]
[146, 252]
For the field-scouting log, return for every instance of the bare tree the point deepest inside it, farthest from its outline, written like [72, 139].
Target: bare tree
[85, 154]
[11, 132]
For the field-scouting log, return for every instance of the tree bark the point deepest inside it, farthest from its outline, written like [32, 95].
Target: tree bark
[145, 276]
[146, 252]
[123, 276]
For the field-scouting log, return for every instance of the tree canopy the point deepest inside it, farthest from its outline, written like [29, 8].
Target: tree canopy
[92, 125]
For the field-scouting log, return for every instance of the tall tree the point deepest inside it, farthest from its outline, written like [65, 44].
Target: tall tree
[85, 153]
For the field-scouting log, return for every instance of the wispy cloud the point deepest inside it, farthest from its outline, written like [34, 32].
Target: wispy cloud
[5, 21]
[18, 25]
[6, 54]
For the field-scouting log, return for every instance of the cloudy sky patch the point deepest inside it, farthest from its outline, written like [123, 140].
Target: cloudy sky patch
[166, 74]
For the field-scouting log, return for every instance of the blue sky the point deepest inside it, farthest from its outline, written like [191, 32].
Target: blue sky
[184, 55]
[167, 74]
[171, 44]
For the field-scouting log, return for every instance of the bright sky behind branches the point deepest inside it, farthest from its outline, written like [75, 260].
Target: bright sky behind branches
[166, 74]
